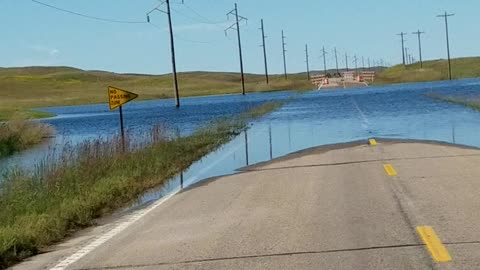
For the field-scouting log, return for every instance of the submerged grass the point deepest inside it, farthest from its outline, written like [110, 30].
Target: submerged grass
[19, 134]
[67, 192]
[473, 103]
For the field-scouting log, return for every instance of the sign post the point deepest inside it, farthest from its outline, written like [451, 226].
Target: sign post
[116, 98]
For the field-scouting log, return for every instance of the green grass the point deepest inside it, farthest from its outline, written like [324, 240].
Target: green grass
[23, 89]
[93, 179]
[470, 103]
[432, 71]
[19, 134]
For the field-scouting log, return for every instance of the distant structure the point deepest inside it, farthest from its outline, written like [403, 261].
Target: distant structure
[367, 76]
[348, 75]
[319, 80]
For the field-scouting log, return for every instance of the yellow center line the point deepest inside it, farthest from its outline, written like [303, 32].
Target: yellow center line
[434, 245]
[390, 170]
[372, 142]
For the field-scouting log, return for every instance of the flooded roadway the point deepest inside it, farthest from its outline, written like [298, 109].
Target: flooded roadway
[311, 119]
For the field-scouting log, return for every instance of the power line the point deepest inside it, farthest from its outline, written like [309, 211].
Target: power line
[206, 20]
[87, 16]
[183, 38]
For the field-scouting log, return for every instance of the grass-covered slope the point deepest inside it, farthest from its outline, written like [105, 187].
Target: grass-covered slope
[432, 71]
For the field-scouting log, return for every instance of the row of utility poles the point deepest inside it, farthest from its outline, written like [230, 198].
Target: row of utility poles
[236, 26]
[408, 59]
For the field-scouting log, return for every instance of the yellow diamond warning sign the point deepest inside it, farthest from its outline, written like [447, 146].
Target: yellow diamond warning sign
[117, 97]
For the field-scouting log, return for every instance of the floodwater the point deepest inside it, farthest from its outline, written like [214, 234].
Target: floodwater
[328, 117]
[311, 119]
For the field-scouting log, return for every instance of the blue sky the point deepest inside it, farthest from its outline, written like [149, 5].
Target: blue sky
[36, 35]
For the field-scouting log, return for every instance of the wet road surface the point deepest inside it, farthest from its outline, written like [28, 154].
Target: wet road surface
[327, 208]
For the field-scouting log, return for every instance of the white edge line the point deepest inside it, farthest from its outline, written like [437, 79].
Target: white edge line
[63, 264]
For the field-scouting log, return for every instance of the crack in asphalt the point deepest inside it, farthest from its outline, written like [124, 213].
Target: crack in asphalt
[355, 162]
[255, 256]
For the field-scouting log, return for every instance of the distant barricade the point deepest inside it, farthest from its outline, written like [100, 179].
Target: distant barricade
[319, 80]
[367, 76]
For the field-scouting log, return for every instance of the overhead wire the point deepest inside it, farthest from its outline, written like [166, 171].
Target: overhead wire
[182, 38]
[87, 16]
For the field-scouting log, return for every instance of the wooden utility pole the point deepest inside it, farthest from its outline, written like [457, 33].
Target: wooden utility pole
[419, 33]
[324, 55]
[306, 60]
[236, 26]
[402, 34]
[264, 51]
[336, 60]
[446, 15]
[172, 47]
[284, 57]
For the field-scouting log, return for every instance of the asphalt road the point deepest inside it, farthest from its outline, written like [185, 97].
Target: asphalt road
[326, 208]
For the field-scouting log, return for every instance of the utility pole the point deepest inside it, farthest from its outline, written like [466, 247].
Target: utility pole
[402, 34]
[324, 55]
[264, 51]
[284, 58]
[355, 60]
[306, 58]
[363, 63]
[369, 63]
[236, 26]
[419, 33]
[172, 47]
[406, 55]
[446, 15]
[346, 61]
[336, 60]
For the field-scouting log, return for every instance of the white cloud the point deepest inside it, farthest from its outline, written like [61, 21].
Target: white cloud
[52, 52]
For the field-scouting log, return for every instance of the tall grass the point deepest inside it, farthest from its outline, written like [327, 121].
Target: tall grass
[19, 134]
[68, 191]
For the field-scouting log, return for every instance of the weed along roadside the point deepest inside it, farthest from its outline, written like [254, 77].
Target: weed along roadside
[95, 178]
[19, 134]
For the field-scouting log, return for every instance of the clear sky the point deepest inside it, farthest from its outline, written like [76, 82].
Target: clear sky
[33, 34]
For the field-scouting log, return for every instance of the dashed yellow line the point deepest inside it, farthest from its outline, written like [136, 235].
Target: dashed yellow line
[372, 142]
[434, 245]
[390, 170]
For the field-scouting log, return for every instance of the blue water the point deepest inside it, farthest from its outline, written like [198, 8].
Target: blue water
[311, 119]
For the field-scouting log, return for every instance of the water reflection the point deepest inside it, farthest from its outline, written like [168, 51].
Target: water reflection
[246, 147]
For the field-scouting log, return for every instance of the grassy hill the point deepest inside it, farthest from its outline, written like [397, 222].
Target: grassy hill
[432, 71]
[22, 89]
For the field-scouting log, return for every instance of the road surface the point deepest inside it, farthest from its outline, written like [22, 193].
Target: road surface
[350, 206]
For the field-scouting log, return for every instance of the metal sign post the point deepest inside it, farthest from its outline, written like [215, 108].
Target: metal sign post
[116, 98]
